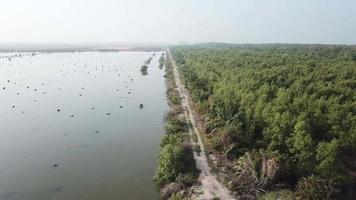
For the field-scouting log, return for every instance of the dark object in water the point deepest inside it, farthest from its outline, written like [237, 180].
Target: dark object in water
[55, 165]
[120, 106]
[71, 115]
[141, 106]
[57, 189]
[97, 132]
[108, 113]
[144, 70]
[58, 110]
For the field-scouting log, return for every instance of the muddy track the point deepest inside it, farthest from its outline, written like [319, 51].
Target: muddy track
[210, 186]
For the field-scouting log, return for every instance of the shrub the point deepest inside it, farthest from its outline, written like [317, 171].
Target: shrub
[170, 163]
[187, 179]
[175, 125]
[169, 190]
[171, 139]
[314, 188]
[254, 171]
[327, 156]
[177, 196]
[278, 195]
[144, 69]
[215, 143]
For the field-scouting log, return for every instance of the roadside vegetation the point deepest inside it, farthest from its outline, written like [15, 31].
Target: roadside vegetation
[176, 172]
[279, 119]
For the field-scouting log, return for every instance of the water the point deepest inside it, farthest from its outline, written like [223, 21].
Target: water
[72, 129]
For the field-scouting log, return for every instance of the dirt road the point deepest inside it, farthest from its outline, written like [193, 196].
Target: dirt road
[210, 186]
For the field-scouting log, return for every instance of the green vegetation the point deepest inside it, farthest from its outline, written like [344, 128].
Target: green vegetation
[287, 109]
[282, 195]
[144, 69]
[176, 170]
[313, 187]
[177, 196]
[161, 61]
[148, 61]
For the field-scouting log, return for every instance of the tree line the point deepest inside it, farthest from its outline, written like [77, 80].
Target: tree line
[288, 109]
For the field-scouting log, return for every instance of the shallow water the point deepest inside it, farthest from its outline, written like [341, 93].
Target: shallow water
[72, 129]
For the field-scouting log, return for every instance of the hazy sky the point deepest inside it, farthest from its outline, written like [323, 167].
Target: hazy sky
[237, 21]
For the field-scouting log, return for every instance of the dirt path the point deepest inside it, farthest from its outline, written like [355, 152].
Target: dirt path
[210, 186]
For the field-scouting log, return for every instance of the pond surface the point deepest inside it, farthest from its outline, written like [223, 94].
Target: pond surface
[72, 128]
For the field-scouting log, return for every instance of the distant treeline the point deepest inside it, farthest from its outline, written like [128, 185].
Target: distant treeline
[283, 117]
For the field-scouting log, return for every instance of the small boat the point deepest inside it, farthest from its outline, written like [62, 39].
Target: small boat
[141, 106]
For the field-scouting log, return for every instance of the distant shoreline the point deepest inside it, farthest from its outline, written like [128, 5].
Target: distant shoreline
[63, 50]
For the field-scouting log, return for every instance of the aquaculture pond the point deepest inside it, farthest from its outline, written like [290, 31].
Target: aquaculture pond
[72, 126]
